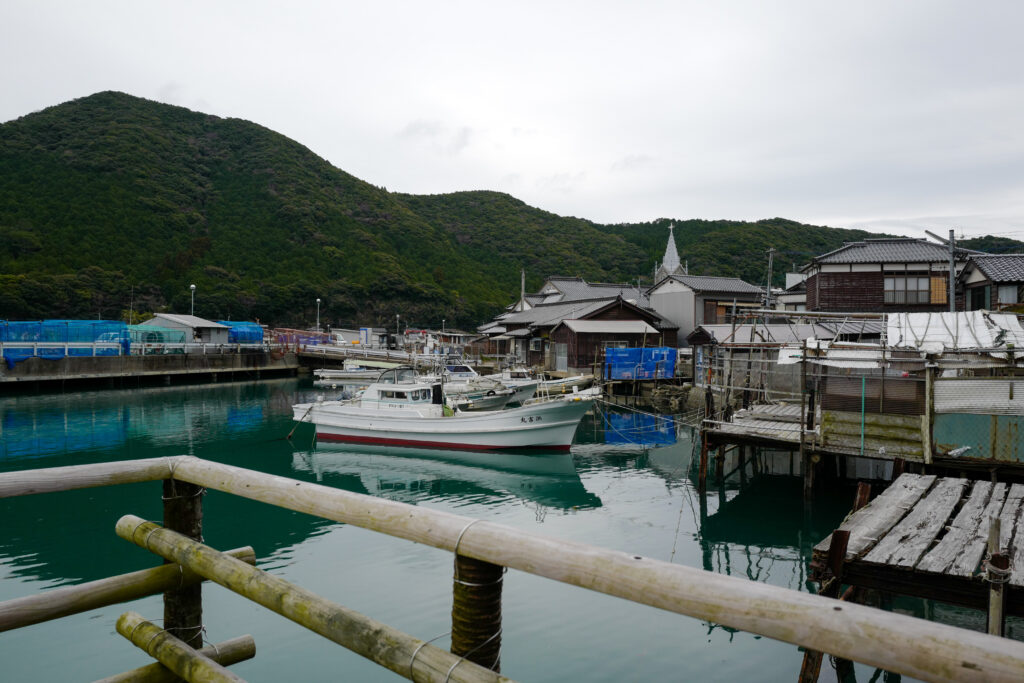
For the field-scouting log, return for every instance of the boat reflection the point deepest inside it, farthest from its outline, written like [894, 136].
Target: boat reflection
[412, 475]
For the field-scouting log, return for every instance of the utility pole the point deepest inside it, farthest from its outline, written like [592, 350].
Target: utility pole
[768, 289]
[952, 274]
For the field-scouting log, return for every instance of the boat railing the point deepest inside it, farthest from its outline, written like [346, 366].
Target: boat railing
[482, 551]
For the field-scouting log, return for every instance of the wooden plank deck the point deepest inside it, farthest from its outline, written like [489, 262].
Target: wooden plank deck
[927, 536]
[774, 422]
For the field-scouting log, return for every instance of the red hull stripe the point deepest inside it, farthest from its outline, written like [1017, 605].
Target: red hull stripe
[381, 441]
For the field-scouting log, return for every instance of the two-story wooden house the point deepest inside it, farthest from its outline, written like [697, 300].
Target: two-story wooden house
[884, 275]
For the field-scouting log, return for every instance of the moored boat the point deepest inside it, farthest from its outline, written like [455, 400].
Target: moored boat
[412, 413]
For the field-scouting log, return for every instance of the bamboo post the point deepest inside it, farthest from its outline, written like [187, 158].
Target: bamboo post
[389, 647]
[183, 606]
[224, 653]
[172, 652]
[476, 611]
[62, 602]
[996, 574]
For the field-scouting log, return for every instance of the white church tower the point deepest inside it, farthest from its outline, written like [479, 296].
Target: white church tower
[670, 264]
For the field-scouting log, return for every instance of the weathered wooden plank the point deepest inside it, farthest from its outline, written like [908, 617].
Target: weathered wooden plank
[874, 419]
[966, 564]
[871, 522]
[1008, 516]
[905, 543]
[960, 532]
[1017, 548]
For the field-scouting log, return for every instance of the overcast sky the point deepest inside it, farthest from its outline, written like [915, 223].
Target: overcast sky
[896, 116]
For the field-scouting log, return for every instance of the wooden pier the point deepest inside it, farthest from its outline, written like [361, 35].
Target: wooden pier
[928, 536]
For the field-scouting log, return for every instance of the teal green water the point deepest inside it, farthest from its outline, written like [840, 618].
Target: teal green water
[607, 492]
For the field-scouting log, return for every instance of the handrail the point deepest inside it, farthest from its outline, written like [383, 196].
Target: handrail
[894, 642]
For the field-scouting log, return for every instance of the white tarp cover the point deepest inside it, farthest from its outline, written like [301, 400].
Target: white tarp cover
[962, 331]
[820, 352]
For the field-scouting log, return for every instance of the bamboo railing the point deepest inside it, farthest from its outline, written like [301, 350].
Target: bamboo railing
[894, 642]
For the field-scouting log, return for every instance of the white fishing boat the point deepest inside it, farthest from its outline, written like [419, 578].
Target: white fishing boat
[519, 379]
[398, 410]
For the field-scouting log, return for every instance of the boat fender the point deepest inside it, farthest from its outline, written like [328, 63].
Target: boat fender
[491, 392]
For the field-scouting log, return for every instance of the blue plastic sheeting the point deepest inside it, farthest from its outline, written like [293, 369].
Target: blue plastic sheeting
[243, 332]
[640, 363]
[63, 332]
[639, 428]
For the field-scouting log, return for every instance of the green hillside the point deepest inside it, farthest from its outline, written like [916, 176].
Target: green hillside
[112, 200]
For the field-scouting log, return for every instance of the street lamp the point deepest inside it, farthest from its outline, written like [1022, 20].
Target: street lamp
[193, 288]
[318, 315]
[398, 330]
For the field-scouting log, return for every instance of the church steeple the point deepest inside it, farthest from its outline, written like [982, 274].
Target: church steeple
[670, 264]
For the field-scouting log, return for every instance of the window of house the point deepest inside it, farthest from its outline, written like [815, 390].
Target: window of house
[909, 289]
[535, 344]
[1007, 294]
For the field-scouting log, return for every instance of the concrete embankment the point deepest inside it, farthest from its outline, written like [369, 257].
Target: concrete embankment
[38, 373]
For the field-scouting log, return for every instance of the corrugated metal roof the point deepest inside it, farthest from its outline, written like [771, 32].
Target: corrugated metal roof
[760, 334]
[187, 320]
[891, 250]
[712, 283]
[610, 326]
[1001, 267]
[552, 313]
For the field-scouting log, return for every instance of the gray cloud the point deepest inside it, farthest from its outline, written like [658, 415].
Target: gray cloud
[870, 114]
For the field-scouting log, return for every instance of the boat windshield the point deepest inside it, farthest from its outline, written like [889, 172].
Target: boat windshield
[397, 375]
[458, 368]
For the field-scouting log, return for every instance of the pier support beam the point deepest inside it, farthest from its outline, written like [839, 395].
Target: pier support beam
[183, 606]
[996, 574]
[476, 611]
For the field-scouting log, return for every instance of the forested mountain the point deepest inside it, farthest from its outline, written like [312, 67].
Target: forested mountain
[111, 200]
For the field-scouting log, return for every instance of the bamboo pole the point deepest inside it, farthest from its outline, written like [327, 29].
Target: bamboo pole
[224, 653]
[891, 641]
[62, 602]
[997, 565]
[389, 647]
[171, 652]
[52, 479]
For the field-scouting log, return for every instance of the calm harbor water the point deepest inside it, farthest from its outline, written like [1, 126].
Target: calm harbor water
[609, 491]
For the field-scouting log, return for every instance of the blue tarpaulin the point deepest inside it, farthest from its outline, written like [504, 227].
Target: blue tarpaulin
[68, 332]
[640, 363]
[243, 332]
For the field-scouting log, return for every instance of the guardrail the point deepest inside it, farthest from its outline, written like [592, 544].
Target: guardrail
[894, 642]
[94, 349]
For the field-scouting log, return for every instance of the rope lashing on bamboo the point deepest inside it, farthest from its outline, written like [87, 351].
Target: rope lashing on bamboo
[994, 574]
[448, 675]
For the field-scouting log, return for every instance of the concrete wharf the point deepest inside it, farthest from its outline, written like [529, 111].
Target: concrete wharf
[927, 536]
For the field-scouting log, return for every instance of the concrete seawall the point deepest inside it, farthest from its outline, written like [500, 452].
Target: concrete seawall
[39, 372]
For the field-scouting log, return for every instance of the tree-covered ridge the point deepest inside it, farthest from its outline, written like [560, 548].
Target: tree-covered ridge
[112, 201]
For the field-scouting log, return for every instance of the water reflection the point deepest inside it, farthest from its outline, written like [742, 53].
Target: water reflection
[415, 475]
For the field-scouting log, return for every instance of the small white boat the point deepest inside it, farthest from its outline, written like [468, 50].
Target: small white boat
[412, 413]
[521, 380]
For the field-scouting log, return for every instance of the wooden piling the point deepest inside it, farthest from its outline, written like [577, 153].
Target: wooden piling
[62, 602]
[224, 653]
[183, 606]
[996, 575]
[172, 652]
[830, 586]
[702, 470]
[476, 611]
[389, 647]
